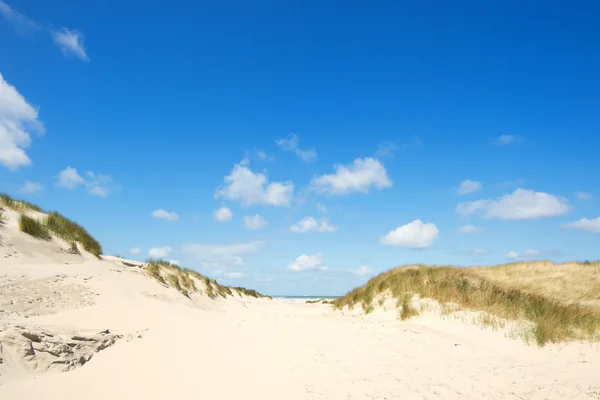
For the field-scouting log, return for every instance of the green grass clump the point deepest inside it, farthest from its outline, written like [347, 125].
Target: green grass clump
[552, 320]
[72, 231]
[407, 311]
[34, 227]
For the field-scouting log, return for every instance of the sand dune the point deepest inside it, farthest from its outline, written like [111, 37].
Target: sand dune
[120, 334]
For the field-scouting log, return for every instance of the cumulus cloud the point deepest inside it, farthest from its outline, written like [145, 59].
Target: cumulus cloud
[30, 187]
[17, 119]
[467, 229]
[306, 263]
[222, 214]
[309, 224]
[521, 204]
[583, 195]
[359, 176]
[253, 188]
[254, 222]
[164, 214]
[504, 140]
[234, 275]
[584, 224]
[219, 256]
[135, 251]
[531, 253]
[469, 186]
[159, 252]
[291, 144]
[416, 235]
[70, 41]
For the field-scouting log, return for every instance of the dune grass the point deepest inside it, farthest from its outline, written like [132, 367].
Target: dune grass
[18, 205]
[183, 279]
[55, 223]
[34, 227]
[72, 231]
[553, 320]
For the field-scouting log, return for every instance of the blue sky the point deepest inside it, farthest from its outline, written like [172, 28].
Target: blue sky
[302, 148]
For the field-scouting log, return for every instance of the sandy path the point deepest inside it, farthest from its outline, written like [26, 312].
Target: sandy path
[274, 350]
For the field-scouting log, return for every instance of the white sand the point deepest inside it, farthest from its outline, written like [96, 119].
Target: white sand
[169, 347]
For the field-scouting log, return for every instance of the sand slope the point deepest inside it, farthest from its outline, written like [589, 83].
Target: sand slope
[162, 345]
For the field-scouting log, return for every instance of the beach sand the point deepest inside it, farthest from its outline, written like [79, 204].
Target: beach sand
[121, 335]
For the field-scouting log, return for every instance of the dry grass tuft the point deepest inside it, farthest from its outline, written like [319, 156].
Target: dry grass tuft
[521, 298]
[72, 231]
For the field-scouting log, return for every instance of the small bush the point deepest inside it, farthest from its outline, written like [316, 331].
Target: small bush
[34, 227]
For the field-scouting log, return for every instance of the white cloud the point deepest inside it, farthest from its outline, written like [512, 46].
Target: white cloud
[254, 222]
[477, 252]
[97, 184]
[164, 214]
[469, 186]
[584, 224]
[306, 262]
[416, 235]
[159, 252]
[69, 178]
[309, 224]
[70, 41]
[219, 256]
[521, 204]
[135, 251]
[532, 253]
[363, 270]
[583, 195]
[31, 187]
[222, 214]
[321, 208]
[17, 118]
[466, 229]
[176, 262]
[234, 275]
[356, 177]
[504, 140]
[253, 188]
[291, 144]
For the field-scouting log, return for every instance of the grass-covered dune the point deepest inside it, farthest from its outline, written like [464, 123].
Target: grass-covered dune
[40, 224]
[558, 302]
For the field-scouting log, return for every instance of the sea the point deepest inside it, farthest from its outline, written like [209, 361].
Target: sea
[302, 299]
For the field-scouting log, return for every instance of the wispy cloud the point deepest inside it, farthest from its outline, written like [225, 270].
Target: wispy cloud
[97, 184]
[31, 187]
[159, 252]
[165, 215]
[69, 41]
[254, 222]
[532, 253]
[468, 229]
[217, 256]
[290, 143]
[469, 186]
[583, 195]
[504, 140]
[310, 224]
[388, 149]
